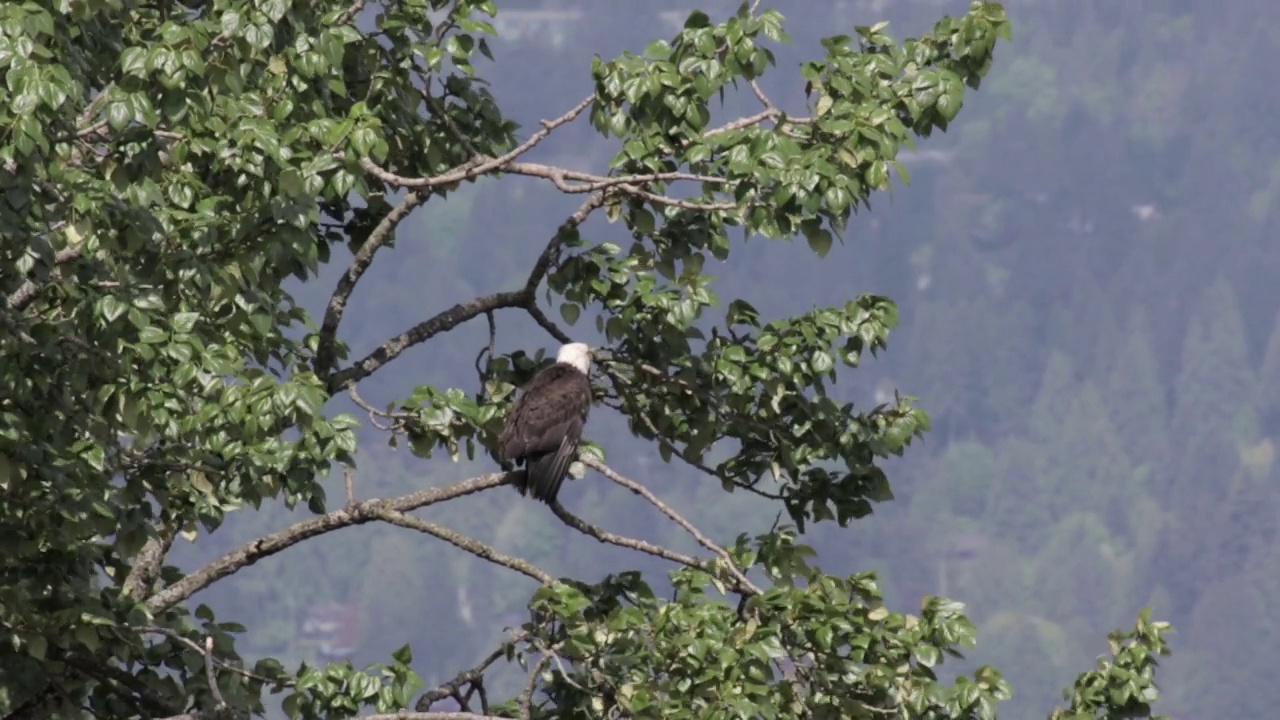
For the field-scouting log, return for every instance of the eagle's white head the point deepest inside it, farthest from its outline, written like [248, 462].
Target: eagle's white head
[577, 355]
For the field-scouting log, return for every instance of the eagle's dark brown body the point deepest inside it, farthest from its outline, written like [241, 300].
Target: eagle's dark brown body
[544, 426]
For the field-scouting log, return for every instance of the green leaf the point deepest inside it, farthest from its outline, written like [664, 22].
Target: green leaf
[819, 241]
[184, 322]
[570, 312]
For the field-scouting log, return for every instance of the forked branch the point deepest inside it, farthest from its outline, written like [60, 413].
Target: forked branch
[356, 514]
[744, 584]
[471, 545]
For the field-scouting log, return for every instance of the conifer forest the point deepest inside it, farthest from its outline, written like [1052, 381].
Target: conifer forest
[932, 355]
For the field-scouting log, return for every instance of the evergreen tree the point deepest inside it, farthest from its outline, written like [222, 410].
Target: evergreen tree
[1269, 384]
[1031, 645]
[961, 485]
[1076, 575]
[1057, 388]
[1017, 512]
[1215, 379]
[1083, 322]
[1231, 629]
[1011, 365]
[1135, 397]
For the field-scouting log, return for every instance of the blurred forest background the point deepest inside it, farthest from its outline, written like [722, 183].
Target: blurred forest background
[1087, 269]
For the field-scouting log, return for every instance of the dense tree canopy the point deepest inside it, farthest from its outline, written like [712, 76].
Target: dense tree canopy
[167, 168]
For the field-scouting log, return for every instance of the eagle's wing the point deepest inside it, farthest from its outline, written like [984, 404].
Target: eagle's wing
[544, 426]
[546, 473]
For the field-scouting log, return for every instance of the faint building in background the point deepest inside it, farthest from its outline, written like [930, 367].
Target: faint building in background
[332, 629]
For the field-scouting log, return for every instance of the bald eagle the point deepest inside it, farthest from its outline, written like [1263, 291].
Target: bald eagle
[544, 426]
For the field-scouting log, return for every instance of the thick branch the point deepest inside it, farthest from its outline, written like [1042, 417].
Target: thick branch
[462, 312]
[744, 585]
[471, 545]
[356, 514]
[423, 331]
[381, 235]
[146, 567]
[26, 293]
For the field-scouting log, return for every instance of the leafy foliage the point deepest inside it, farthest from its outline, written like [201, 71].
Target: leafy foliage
[166, 170]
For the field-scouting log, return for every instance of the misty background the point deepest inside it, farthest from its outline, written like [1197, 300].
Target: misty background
[1087, 270]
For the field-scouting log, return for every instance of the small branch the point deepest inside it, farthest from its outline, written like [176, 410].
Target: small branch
[605, 536]
[380, 236]
[397, 419]
[471, 545]
[95, 105]
[744, 584]
[349, 480]
[479, 165]
[593, 202]
[210, 675]
[486, 352]
[357, 514]
[192, 644]
[423, 331]
[407, 715]
[546, 323]
[526, 696]
[471, 675]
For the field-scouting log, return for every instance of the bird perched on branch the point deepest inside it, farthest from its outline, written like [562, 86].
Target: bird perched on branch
[544, 426]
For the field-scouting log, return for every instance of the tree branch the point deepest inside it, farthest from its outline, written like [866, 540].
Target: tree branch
[479, 165]
[744, 584]
[471, 545]
[547, 324]
[211, 675]
[193, 645]
[423, 331]
[605, 536]
[526, 695]
[26, 293]
[146, 567]
[594, 202]
[466, 677]
[407, 715]
[356, 514]
[380, 236]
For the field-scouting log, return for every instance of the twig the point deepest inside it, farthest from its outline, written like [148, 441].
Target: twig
[471, 545]
[487, 353]
[744, 584]
[210, 676]
[349, 480]
[192, 644]
[380, 236]
[526, 695]
[358, 514]
[375, 413]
